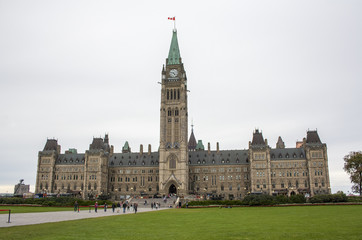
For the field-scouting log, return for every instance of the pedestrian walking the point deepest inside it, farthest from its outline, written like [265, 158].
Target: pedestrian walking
[113, 206]
[152, 205]
[124, 207]
[105, 207]
[135, 207]
[76, 206]
[118, 207]
[96, 206]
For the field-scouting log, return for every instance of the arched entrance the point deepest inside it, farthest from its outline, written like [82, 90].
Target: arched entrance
[172, 189]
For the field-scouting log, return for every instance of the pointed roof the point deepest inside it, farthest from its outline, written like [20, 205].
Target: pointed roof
[51, 144]
[200, 146]
[126, 148]
[174, 56]
[192, 141]
[312, 137]
[258, 138]
[280, 143]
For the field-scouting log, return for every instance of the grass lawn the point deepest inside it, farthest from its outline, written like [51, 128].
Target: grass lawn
[25, 209]
[309, 222]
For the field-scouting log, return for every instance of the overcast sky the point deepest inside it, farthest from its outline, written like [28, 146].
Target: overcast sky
[74, 70]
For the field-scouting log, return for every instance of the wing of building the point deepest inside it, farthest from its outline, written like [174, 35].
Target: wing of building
[182, 166]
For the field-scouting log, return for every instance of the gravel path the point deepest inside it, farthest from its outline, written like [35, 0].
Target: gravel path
[19, 219]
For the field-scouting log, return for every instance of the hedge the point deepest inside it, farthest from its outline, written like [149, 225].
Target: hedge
[258, 200]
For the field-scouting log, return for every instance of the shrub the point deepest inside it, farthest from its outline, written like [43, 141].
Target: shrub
[297, 198]
[328, 198]
[255, 200]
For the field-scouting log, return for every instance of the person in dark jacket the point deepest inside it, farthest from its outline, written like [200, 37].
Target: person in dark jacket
[113, 207]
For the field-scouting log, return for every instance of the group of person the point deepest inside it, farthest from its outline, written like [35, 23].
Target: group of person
[117, 207]
[126, 206]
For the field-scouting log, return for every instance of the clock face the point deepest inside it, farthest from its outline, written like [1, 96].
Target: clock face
[173, 72]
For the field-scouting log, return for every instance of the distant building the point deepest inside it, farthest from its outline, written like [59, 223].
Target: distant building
[21, 188]
[182, 166]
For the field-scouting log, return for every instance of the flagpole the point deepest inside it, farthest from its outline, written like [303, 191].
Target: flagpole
[174, 23]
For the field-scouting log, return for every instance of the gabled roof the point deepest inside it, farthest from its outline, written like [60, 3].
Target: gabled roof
[174, 53]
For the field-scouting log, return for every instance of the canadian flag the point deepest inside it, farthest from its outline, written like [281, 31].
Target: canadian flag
[171, 18]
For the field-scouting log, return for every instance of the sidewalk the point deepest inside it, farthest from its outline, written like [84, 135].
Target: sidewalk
[19, 219]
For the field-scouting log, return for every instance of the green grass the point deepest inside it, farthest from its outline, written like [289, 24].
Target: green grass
[311, 222]
[25, 209]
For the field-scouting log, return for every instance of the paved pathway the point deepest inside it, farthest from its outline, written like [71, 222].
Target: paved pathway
[18, 219]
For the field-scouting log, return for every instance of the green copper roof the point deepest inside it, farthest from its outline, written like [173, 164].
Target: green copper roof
[199, 145]
[126, 147]
[174, 53]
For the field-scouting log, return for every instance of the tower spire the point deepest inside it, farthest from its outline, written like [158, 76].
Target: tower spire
[174, 56]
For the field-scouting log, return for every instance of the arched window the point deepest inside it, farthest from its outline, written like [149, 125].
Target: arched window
[171, 94]
[178, 93]
[168, 94]
[172, 163]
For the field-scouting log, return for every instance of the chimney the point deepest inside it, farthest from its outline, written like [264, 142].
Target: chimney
[141, 149]
[149, 149]
[217, 147]
[208, 148]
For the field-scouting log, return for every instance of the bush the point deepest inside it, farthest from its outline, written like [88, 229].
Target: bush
[256, 200]
[329, 198]
[354, 199]
[297, 199]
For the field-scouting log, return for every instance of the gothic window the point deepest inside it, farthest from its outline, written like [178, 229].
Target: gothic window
[174, 94]
[176, 112]
[171, 94]
[172, 162]
[168, 94]
[95, 186]
[169, 112]
[178, 93]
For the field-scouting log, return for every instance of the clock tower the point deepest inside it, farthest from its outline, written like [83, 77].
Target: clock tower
[173, 162]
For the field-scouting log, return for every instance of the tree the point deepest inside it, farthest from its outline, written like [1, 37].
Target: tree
[353, 166]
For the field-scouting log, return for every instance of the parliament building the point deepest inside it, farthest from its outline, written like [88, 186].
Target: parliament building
[181, 165]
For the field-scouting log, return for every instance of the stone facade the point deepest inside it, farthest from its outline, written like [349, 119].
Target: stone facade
[183, 166]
